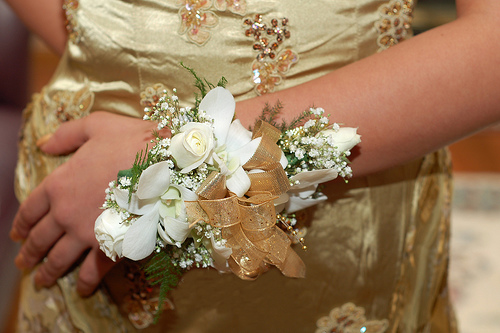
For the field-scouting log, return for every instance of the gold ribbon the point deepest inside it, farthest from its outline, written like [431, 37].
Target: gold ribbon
[249, 223]
[249, 227]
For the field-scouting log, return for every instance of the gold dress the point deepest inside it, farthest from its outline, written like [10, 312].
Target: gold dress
[377, 249]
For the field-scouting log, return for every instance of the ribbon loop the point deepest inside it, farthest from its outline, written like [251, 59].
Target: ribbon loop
[248, 224]
[214, 187]
[274, 181]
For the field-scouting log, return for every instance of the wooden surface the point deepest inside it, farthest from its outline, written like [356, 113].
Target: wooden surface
[478, 153]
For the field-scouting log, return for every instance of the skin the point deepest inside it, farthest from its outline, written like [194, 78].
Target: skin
[444, 90]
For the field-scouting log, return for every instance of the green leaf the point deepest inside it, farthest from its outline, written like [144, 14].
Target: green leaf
[203, 85]
[160, 270]
[125, 173]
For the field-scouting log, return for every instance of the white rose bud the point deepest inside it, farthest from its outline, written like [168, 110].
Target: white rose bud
[344, 139]
[192, 146]
[109, 231]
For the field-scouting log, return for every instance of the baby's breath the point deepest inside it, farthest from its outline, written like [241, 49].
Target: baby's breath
[306, 150]
[189, 255]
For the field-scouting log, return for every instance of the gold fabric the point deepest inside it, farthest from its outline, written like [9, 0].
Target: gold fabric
[377, 249]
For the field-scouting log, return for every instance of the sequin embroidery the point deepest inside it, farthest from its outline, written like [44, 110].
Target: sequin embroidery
[151, 95]
[395, 21]
[70, 8]
[270, 67]
[72, 106]
[63, 106]
[350, 319]
[235, 6]
[197, 19]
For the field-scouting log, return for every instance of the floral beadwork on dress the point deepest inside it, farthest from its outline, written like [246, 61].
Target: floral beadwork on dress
[394, 25]
[63, 106]
[350, 319]
[257, 28]
[197, 19]
[270, 67]
[235, 6]
[151, 95]
[73, 105]
[74, 33]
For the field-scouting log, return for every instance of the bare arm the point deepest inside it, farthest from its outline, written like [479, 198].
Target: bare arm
[45, 19]
[407, 101]
[414, 98]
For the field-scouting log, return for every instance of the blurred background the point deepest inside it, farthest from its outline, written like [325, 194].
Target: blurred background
[14, 89]
[26, 65]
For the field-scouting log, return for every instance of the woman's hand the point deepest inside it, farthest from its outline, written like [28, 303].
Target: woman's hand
[57, 219]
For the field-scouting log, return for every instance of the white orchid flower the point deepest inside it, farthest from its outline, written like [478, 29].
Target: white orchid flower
[162, 209]
[234, 146]
[299, 195]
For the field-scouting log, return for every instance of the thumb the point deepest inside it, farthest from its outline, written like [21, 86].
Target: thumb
[66, 139]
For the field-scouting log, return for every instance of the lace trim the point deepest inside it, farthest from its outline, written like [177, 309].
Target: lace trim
[395, 21]
[350, 319]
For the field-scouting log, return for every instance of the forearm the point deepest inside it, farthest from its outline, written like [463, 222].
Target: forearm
[44, 18]
[412, 99]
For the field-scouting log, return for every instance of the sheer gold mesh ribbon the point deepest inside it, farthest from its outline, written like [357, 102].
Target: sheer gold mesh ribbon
[249, 224]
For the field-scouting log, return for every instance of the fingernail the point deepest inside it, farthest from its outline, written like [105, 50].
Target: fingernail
[15, 236]
[20, 262]
[43, 140]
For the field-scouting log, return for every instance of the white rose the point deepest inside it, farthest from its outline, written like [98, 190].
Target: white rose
[110, 230]
[192, 146]
[344, 138]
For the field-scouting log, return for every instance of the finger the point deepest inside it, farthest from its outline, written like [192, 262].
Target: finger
[93, 269]
[59, 260]
[66, 139]
[41, 238]
[30, 212]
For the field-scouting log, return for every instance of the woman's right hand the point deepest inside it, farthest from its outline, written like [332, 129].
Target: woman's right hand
[56, 221]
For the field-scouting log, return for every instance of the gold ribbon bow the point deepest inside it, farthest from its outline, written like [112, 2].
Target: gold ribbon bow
[249, 223]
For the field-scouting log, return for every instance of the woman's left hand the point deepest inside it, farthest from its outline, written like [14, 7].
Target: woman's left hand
[56, 221]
